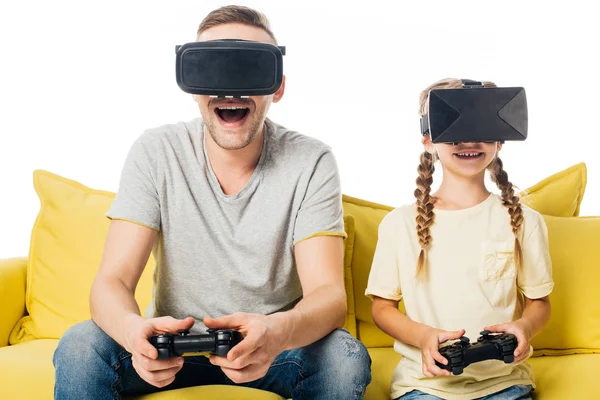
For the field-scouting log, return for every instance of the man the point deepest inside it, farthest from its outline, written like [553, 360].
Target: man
[246, 223]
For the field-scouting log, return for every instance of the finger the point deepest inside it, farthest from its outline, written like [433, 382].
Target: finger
[450, 335]
[248, 374]
[149, 377]
[244, 348]
[426, 372]
[435, 353]
[496, 328]
[159, 379]
[239, 363]
[158, 365]
[232, 321]
[170, 324]
[523, 347]
[143, 346]
[432, 368]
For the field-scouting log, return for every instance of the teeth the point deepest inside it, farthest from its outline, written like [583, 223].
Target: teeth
[468, 154]
[232, 108]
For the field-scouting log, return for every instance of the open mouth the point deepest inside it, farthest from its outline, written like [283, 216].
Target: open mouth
[469, 156]
[232, 114]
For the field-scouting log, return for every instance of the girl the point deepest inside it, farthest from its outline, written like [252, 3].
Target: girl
[462, 260]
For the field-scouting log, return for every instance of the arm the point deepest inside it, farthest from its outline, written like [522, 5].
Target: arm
[398, 325]
[323, 306]
[112, 298]
[536, 314]
[534, 318]
[390, 320]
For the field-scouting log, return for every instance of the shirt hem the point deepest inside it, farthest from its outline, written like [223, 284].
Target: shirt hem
[463, 396]
[319, 234]
[132, 221]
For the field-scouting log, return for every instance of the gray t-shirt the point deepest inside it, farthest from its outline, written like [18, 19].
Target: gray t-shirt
[218, 254]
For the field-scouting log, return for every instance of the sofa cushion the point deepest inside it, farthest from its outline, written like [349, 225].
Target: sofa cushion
[575, 303]
[367, 216]
[559, 195]
[27, 371]
[211, 392]
[22, 364]
[566, 377]
[66, 248]
[556, 377]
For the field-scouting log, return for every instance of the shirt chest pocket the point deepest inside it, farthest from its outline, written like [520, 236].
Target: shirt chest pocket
[498, 261]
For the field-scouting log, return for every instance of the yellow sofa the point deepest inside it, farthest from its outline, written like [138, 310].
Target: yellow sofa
[46, 292]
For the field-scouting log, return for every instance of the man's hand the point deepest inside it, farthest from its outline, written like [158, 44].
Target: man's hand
[522, 332]
[144, 356]
[429, 345]
[265, 337]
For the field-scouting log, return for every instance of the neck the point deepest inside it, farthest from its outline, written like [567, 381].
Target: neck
[234, 168]
[459, 192]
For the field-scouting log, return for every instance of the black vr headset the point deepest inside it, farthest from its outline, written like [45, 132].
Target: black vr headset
[229, 68]
[476, 114]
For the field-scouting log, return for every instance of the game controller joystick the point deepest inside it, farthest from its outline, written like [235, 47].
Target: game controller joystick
[217, 342]
[489, 346]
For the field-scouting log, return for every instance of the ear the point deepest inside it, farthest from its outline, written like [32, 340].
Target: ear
[428, 144]
[279, 93]
[498, 147]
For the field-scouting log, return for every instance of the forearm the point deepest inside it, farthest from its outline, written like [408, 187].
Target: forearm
[315, 316]
[113, 307]
[396, 324]
[535, 315]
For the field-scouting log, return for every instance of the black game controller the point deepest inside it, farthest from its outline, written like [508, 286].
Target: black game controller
[499, 346]
[217, 342]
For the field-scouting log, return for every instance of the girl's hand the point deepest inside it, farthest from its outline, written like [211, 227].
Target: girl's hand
[429, 344]
[520, 329]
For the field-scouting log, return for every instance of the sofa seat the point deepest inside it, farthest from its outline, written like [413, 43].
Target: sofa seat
[28, 373]
[555, 375]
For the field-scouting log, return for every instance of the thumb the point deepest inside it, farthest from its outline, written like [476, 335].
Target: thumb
[233, 321]
[171, 325]
[496, 328]
[450, 335]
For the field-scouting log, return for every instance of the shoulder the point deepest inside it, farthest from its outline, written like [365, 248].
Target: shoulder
[399, 218]
[290, 144]
[533, 221]
[173, 132]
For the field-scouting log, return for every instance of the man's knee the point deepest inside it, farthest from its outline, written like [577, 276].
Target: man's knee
[84, 344]
[346, 363]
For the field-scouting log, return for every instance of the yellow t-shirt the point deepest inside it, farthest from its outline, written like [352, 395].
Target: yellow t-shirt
[471, 282]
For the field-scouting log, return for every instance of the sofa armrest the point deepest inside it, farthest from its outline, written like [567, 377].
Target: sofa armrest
[13, 276]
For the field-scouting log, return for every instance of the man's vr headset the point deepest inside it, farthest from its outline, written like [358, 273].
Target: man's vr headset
[476, 114]
[229, 68]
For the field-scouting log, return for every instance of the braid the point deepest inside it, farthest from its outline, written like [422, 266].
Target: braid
[425, 203]
[510, 201]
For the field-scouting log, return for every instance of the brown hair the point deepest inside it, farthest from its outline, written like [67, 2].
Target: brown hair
[236, 15]
[425, 202]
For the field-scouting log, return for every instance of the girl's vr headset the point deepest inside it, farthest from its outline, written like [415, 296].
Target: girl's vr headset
[229, 68]
[476, 114]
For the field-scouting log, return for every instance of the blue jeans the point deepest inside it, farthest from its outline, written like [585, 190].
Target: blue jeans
[520, 392]
[91, 365]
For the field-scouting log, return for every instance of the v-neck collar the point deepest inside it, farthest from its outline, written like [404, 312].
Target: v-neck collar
[216, 186]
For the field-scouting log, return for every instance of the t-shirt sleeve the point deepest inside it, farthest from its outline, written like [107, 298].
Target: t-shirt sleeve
[384, 278]
[137, 197]
[321, 212]
[535, 278]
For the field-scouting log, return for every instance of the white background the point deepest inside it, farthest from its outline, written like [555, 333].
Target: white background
[79, 81]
